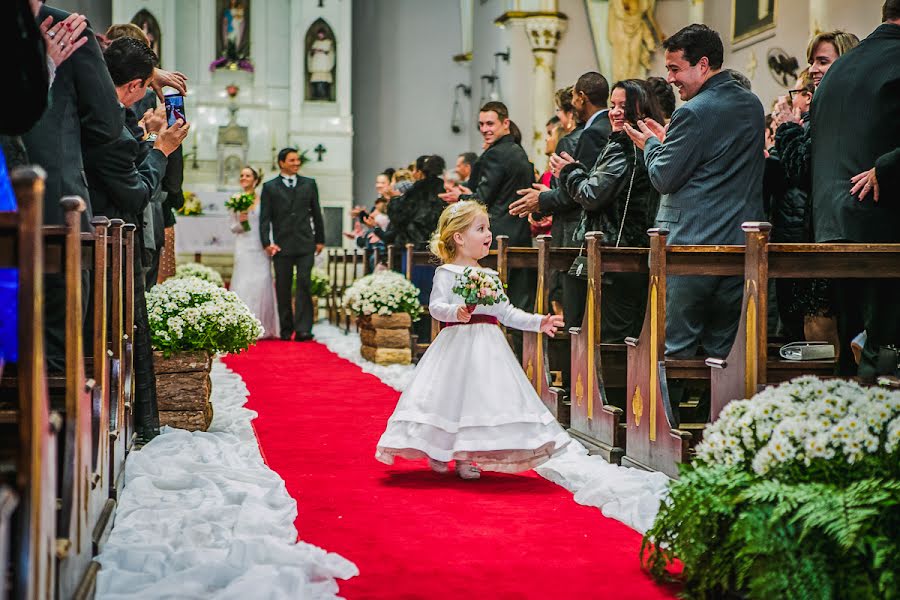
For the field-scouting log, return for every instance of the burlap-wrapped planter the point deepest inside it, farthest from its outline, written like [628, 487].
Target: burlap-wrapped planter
[183, 388]
[385, 338]
[387, 356]
[395, 321]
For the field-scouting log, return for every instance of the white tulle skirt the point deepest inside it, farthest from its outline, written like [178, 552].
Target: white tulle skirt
[470, 400]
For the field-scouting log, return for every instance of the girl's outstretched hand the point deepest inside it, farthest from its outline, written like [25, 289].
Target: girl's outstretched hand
[462, 314]
[550, 323]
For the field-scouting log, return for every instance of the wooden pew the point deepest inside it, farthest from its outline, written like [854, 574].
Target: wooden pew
[121, 427]
[539, 354]
[657, 440]
[753, 362]
[598, 369]
[28, 444]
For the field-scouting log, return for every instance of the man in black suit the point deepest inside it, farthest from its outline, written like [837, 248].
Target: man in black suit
[589, 99]
[122, 181]
[292, 232]
[83, 113]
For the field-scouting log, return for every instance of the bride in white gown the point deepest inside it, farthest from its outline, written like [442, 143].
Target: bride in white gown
[252, 276]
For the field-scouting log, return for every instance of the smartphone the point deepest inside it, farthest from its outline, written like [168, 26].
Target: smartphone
[174, 108]
[363, 215]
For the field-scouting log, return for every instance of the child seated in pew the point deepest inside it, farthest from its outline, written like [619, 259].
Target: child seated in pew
[469, 400]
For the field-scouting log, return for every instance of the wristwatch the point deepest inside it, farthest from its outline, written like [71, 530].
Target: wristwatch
[152, 137]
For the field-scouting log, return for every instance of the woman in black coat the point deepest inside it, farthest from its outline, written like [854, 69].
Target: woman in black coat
[618, 200]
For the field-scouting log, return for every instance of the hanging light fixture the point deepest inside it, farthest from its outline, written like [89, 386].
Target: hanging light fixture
[456, 115]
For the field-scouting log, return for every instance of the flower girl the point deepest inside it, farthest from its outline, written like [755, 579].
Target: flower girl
[469, 399]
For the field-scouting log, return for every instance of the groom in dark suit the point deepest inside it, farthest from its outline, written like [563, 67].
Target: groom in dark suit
[292, 232]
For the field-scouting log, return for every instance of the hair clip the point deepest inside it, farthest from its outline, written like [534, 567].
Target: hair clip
[455, 207]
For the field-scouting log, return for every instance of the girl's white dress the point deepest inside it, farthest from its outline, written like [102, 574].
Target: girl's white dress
[469, 398]
[251, 279]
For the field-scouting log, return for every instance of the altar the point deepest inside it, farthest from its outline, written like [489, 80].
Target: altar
[262, 76]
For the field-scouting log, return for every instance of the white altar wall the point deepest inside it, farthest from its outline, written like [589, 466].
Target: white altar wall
[270, 100]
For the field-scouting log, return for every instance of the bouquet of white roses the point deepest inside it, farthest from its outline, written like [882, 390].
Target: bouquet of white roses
[193, 269]
[383, 293]
[240, 203]
[477, 287]
[192, 314]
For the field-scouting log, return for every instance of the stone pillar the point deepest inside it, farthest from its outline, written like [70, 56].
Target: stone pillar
[696, 12]
[544, 33]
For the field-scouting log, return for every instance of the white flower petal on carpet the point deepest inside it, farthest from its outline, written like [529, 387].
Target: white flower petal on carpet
[631, 496]
[202, 516]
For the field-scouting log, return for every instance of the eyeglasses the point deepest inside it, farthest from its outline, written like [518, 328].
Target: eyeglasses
[793, 93]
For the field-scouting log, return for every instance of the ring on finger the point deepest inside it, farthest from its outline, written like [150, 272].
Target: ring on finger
[51, 34]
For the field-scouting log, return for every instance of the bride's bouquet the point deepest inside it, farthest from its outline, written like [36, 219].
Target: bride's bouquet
[477, 287]
[240, 203]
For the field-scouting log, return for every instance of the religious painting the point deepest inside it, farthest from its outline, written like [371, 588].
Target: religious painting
[233, 35]
[150, 26]
[750, 18]
[321, 61]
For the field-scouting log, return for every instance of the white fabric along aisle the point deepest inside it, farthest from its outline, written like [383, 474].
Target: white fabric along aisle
[631, 496]
[203, 517]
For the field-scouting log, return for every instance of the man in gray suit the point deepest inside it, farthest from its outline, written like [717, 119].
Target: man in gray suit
[292, 231]
[708, 164]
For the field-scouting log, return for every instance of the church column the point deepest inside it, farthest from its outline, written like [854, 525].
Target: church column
[696, 12]
[544, 32]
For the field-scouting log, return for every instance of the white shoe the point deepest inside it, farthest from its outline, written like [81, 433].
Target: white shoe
[466, 469]
[438, 466]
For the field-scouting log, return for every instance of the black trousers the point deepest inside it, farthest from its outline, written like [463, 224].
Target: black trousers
[151, 267]
[868, 305]
[300, 318]
[146, 410]
[623, 302]
[522, 290]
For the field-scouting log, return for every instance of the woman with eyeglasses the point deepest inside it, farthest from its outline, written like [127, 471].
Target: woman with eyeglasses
[804, 305]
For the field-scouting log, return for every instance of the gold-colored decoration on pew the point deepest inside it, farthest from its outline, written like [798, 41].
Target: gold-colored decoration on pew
[529, 371]
[579, 391]
[637, 406]
[654, 359]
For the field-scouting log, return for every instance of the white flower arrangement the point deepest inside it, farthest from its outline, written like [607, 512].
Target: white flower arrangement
[383, 293]
[803, 420]
[193, 269]
[190, 313]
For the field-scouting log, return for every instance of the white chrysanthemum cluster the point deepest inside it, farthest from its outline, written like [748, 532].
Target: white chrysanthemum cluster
[802, 420]
[190, 313]
[383, 293]
[201, 271]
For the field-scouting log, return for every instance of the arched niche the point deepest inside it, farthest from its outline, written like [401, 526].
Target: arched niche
[320, 73]
[150, 26]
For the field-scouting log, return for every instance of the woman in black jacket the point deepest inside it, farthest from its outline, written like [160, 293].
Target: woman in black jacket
[618, 200]
[807, 300]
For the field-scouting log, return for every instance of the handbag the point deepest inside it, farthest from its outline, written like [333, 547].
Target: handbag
[579, 265]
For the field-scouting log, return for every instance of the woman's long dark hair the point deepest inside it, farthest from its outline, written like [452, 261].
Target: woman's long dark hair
[640, 101]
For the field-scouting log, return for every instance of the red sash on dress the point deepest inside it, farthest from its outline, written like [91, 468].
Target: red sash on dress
[476, 320]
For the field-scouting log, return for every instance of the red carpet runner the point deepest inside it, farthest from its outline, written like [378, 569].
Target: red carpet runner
[411, 532]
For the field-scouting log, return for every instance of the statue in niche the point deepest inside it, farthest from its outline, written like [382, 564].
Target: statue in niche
[150, 26]
[233, 44]
[320, 62]
[633, 35]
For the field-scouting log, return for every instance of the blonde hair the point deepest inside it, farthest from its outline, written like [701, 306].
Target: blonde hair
[842, 41]
[456, 218]
[127, 30]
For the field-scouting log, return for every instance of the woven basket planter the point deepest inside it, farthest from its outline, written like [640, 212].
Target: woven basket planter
[183, 388]
[385, 338]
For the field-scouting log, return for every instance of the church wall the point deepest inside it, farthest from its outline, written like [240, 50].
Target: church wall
[575, 54]
[403, 83]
